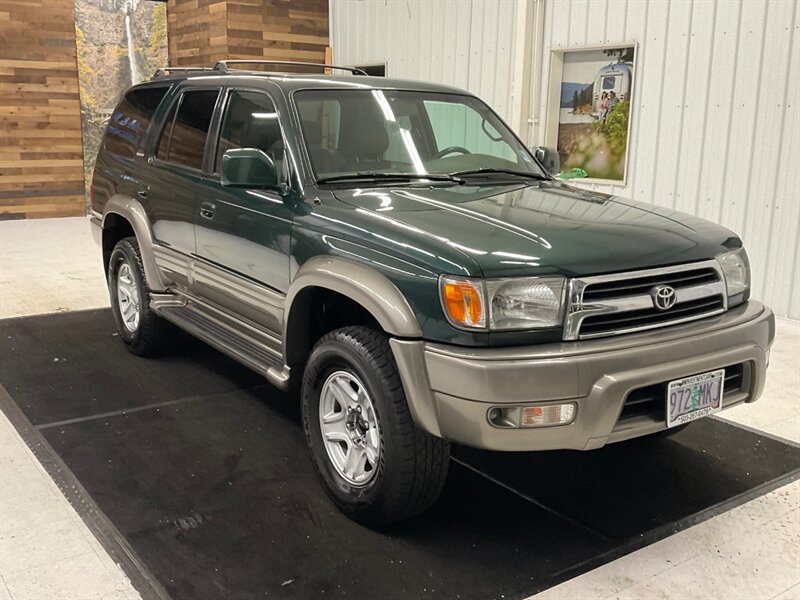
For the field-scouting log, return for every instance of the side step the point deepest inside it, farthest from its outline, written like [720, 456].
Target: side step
[244, 343]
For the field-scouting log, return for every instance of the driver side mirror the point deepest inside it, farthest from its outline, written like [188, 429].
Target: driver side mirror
[250, 167]
[549, 158]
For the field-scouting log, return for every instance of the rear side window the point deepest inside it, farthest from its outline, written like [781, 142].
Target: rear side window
[128, 123]
[183, 139]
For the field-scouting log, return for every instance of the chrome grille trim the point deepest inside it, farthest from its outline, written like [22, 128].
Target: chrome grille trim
[577, 310]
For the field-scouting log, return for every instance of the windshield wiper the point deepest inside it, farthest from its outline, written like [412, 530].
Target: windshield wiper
[491, 171]
[375, 176]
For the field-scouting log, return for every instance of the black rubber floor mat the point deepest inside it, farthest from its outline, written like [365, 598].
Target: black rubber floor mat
[202, 467]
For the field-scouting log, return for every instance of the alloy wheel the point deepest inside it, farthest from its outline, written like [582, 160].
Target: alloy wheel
[349, 428]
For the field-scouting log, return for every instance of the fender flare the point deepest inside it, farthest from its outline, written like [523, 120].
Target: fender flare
[374, 291]
[360, 283]
[132, 211]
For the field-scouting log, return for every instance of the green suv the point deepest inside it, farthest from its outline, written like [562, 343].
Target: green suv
[394, 253]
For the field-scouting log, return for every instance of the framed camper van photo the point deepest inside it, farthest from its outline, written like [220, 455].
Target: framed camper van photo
[589, 111]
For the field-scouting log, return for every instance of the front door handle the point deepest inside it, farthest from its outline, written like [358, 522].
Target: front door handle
[207, 210]
[142, 193]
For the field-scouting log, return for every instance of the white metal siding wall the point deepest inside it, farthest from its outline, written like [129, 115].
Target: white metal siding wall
[465, 43]
[716, 121]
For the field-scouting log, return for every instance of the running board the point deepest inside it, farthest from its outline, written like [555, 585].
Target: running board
[244, 343]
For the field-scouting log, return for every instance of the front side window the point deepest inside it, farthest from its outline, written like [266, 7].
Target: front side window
[251, 122]
[128, 123]
[183, 139]
[405, 133]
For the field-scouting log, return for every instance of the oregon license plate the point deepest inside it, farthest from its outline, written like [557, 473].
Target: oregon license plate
[693, 397]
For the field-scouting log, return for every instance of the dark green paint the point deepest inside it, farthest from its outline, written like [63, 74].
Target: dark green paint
[410, 234]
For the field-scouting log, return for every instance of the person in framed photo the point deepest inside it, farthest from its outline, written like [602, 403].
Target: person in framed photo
[611, 102]
[603, 106]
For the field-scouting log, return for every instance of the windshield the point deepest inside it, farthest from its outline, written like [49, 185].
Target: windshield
[382, 133]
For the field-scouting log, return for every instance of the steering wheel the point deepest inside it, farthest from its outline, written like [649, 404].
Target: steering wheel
[450, 150]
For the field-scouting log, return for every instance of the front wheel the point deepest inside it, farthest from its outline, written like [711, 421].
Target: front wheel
[370, 457]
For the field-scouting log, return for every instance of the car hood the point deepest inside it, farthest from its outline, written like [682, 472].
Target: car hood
[540, 228]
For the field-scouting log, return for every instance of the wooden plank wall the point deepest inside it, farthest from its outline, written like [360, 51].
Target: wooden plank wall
[197, 32]
[204, 31]
[41, 156]
[278, 29]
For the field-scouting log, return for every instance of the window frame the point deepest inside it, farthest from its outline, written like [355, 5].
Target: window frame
[211, 171]
[301, 134]
[613, 79]
[217, 124]
[176, 103]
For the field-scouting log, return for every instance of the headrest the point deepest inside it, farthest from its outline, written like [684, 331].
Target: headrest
[368, 140]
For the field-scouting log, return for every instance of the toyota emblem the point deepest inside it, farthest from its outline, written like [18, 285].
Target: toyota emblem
[663, 297]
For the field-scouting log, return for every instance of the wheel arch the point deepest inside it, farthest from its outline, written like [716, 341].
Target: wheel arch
[125, 209]
[364, 286]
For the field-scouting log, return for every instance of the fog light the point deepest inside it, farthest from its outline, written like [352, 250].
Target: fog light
[542, 416]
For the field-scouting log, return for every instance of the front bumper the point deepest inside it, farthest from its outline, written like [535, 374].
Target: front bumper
[451, 389]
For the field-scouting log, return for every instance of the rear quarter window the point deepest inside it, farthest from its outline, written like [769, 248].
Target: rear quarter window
[129, 121]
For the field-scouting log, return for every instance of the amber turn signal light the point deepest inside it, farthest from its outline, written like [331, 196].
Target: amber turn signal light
[462, 300]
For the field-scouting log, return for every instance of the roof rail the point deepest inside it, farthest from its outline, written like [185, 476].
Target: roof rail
[222, 66]
[164, 71]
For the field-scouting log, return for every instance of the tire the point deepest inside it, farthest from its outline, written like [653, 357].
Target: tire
[141, 337]
[411, 465]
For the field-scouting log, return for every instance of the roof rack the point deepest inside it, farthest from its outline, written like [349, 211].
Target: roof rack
[222, 66]
[164, 71]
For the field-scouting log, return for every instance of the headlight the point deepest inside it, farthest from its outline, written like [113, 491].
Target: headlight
[503, 304]
[736, 269]
[525, 303]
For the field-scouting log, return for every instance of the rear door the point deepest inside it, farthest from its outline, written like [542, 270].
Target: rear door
[172, 177]
[243, 235]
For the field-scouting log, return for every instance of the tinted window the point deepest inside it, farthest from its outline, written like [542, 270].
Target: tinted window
[183, 141]
[128, 123]
[166, 134]
[251, 122]
[609, 82]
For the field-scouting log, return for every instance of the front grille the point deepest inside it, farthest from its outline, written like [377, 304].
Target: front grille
[651, 401]
[606, 305]
[638, 319]
[643, 285]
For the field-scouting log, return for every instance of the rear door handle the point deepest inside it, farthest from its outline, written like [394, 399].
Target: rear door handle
[142, 193]
[207, 210]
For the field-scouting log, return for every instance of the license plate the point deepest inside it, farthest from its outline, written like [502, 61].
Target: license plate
[693, 397]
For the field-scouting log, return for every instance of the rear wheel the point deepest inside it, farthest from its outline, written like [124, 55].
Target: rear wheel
[370, 457]
[138, 326]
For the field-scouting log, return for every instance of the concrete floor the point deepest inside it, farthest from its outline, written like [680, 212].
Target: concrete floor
[46, 551]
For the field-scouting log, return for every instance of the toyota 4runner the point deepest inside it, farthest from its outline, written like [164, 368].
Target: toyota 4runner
[394, 252]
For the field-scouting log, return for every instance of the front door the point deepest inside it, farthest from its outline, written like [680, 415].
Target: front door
[243, 235]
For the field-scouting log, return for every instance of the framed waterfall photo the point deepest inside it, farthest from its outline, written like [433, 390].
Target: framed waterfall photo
[589, 110]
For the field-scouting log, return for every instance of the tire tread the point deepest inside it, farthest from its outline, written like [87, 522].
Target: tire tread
[423, 458]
